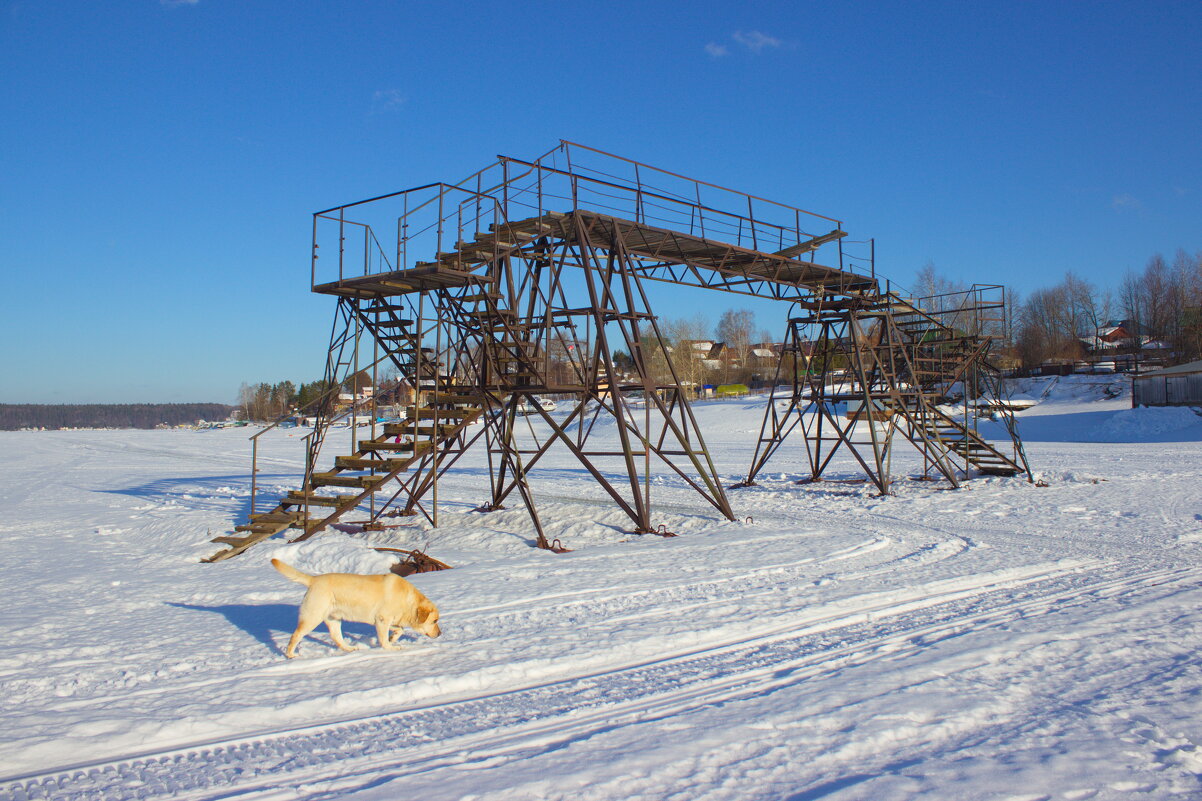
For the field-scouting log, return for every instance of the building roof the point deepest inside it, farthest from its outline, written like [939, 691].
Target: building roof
[1188, 367]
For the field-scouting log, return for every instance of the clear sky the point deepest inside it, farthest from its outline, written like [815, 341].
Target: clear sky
[161, 160]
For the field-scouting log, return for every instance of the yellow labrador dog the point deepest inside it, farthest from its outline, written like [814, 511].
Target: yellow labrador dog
[386, 600]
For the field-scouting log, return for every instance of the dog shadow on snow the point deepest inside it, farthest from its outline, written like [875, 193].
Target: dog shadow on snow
[273, 624]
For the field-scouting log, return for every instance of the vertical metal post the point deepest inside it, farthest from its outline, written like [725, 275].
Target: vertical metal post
[341, 240]
[308, 478]
[639, 216]
[355, 380]
[417, 378]
[505, 186]
[313, 259]
[751, 221]
[254, 472]
[403, 242]
[375, 409]
[434, 444]
[441, 194]
[647, 442]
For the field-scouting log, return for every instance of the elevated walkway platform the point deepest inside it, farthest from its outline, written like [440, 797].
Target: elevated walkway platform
[655, 249]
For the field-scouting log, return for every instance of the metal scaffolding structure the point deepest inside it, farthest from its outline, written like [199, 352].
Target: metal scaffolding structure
[893, 366]
[526, 279]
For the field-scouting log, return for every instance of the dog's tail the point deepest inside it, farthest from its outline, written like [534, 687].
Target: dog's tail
[292, 573]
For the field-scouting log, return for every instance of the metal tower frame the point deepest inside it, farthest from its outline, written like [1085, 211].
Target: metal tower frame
[525, 279]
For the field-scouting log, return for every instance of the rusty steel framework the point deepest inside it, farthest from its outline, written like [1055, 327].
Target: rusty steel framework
[527, 278]
[896, 369]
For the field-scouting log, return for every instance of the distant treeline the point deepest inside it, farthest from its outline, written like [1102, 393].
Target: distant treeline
[104, 415]
[264, 402]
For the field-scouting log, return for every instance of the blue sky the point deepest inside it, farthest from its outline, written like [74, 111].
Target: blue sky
[162, 159]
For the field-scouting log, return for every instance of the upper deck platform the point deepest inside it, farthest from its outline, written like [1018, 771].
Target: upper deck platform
[659, 254]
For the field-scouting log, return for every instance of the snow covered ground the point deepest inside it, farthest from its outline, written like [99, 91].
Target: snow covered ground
[1002, 641]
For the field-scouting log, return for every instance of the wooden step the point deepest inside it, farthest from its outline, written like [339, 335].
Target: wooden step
[259, 528]
[299, 497]
[490, 314]
[469, 254]
[455, 398]
[476, 254]
[437, 414]
[228, 539]
[237, 545]
[341, 480]
[425, 429]
[388, 445]
[366, 463]
[277, 516]
[406, 426]
[528, 228]
[510, 324]
[384, 308]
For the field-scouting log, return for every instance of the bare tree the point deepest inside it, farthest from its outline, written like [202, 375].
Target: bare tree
[1084, 307]
[1132, 299]
[1187, 277]
[735, 328]
[929, 283]
[1161, 298]
[681, 334]
[1012, 313]
[246, 399]
[1048, 328]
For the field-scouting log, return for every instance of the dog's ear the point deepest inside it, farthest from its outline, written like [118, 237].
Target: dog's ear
[425, 611]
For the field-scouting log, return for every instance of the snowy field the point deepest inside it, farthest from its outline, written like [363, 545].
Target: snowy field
[1002, 641]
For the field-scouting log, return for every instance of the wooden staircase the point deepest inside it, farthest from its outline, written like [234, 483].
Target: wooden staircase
[939, 355]
[949, 437]
[900, 360]
[436, 426]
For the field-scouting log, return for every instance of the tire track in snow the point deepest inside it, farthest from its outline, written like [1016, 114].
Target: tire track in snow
[420, 739]
[689, 594]
[691, 585]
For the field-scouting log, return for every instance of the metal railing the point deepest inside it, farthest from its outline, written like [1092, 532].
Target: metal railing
[437, 218]
[427, 222]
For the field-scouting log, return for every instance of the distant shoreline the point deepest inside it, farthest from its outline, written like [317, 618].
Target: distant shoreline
[58, 416]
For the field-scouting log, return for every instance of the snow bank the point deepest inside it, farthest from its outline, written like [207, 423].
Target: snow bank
[1146, 424]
